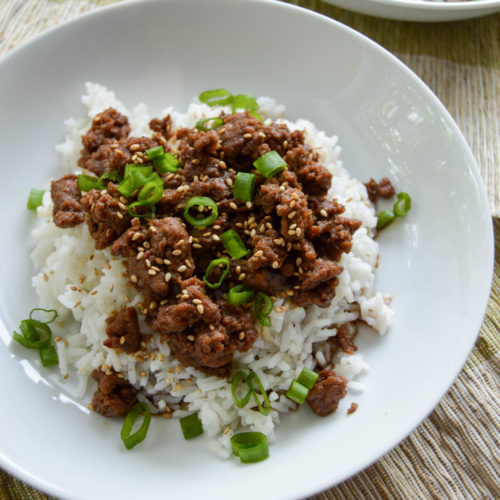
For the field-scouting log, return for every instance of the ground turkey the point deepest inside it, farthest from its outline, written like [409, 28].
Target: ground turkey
[326, 393]
[114, 396]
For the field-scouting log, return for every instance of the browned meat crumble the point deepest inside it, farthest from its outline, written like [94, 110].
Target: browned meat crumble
[295, 235]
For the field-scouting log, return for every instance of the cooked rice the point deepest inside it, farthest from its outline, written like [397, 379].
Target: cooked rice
[85, 285]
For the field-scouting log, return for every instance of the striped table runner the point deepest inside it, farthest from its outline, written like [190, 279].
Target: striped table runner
[454, 453]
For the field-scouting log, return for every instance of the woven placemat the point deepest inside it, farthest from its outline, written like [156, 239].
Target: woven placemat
[454, 453]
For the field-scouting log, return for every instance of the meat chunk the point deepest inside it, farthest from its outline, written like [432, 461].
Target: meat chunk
[326, 393]
[333, 237]
[383, 188]
[114, 396]
[123, 331]
[68, 211]
[108, 217]
[346, 334]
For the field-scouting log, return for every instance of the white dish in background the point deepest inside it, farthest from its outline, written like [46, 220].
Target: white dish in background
[419, 10]
[437, 262]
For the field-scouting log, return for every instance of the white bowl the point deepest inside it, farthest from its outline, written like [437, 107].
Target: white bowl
[418, 10]
[437, 262]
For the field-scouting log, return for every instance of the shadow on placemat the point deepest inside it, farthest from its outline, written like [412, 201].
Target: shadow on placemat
[449, 41]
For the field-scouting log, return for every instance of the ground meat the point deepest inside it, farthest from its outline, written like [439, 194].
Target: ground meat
[352, 408]
[123, 331]
[384, 189]
[345, 337]
[108, 217]
[68, 211]
[326, 393]
[114, 396]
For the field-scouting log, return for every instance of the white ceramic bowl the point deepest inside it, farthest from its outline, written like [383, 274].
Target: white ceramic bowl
[418, 10]
[437, 262]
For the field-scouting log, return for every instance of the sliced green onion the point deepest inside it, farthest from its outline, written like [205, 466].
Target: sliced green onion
[270, 164]
[241, 402]
[240, 294]
[48, 356]
[307, 378]
[244, 185]
[250, 446]
[133, 213]
[167, 163]
[155, 152]
[134, 177]
[144, 170]
[217, 97]
[266, 408]
[52, 312]
[87, 182]
[402, 205]
[215, 263]
[131, 440]
[297, 392]
[233, 244]
[191, 426]
[151, 193]
[384, 218]
[35, 334]
[35, 198]
[216, 123]
[262, 307]
[201, 201]
[112, 175]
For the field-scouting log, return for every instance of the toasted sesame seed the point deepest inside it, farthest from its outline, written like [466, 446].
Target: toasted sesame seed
[140, 255]
[323, 213]
[229, 181]
[122, 206]
[259, 253]
[148, 262]
[196, 245]
[181, 269]
[77, 303]
[166, 262]
[196, 161]
[94, 292]
[133, 278]
[191, 338]
[241, 335]
[277, 241]
[233, 205]
[261, 134]
[291, 215]
[154, 268]
[200, 308]
[298, 261]
[159, 261]
[248, 204]
[215, 237]
[122, 339]
[58, 339]
[146, 244]
[242, 276]
[293, 226]
[282, 188]
[153, 305]
[152, 272]
[196, 301]
[136, 236]
[176, 252]
[238, 269]
[211, 326]
[298, 231]
[178, 386]
[216, 226]
[275, 264]
[168, 277]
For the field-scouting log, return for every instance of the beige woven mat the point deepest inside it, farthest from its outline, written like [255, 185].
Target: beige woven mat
[454, 453]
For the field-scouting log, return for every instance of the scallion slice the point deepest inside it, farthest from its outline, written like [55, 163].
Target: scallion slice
[155, 152]
[240, 375]
[87, 182]
[266, 408]
[244, 185]
[402, 205]
[48, 356]
[51, 312]
[215, 123]
[151, 193]
[270, 164]
[262, 307]
[35, 334]
[384, 218]
[307, 378]
[297, 392]
[250, 447]
[214, 263]
[135, 176]
[130, 440]
[167, 163]
[191, 426]
[35, 198]
[216, 97]
[233, 244]
[240, 294]
[201, 201]
[149, 213]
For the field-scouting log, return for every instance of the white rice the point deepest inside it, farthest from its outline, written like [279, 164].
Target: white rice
[84, 285]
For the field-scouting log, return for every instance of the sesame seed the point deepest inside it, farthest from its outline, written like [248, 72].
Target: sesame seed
[140, 255]
[259, 253]
[211, 326]
[191, 338]
[148, 263]
[154, 268]
[248, 204]
[152, 272]
[216, 226]
[282, 188]
[176, 252]
[136, 236]
[146, 244]
[277, 241]
[298, 261]
[166, 262]
[153, 305]
[134, 147]
[293, 226]
[181, 269]
[133, 278]
[215, 237]
[196, 245]
[242, 276]
[122, 339]
[77, 303]
[241, 336]
[233, 205]
[58, 339]
[200, 308]
[196, 301]
[261, 134]
[247, 136]
[298, 231]
[238, 269]
[122, 206]
[275, 264]
[323, 213]
[196, 161]
[94, 292]
[159, 261]
[291, 215]
[179, 243]
[229, 181]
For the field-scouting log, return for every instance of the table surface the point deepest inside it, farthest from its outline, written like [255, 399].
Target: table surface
[455, 452]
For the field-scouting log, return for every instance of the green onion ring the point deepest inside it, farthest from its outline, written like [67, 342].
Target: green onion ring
[297, 392]
[240, 294]
[270, 164]
[233, 244]
[215, 263]
[131, 440]
[240, 375]
[132, 213]
[35, 198]
[307, 378]
[250, 447]
[167, 163]
[35, 334]
[262, 307]
[201, 201]
[263, 409]
[402, 205]
[216, 97]
[153, 153]
[244, 185]
[217, 122]
[191, 426]
[45, 311]
[48, 356]
[384, 218]
[151, 193]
